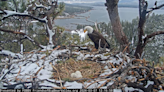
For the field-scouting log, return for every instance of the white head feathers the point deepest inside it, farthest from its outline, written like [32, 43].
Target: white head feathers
[89, 29]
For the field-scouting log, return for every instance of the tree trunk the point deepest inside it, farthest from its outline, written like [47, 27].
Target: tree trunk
[142, 14]
[112, 8]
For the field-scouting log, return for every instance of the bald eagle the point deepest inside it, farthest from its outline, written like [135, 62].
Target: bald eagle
[96, 37]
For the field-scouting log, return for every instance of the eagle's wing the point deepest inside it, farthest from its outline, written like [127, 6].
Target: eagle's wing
[95, 37]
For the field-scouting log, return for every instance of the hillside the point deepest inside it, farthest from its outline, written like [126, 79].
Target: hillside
[74, 9]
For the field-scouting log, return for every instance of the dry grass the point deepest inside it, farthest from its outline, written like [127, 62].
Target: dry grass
[89, 69]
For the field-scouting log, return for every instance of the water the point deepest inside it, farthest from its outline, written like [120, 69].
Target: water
[100, 14]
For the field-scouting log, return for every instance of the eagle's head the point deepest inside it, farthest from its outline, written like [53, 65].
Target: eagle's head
[89, 29]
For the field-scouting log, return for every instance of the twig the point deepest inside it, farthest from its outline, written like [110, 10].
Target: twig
[160, 77]
[90, 84]
[1, 64]
[99, 44]
[115, 70]
[39, 71]
[157, 7]
[58, 74]
[108, 80]
[6, 73]
[125, 48]
[112, 65]
[18, 73]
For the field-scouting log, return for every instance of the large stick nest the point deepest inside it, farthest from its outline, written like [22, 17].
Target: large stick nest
[88, 69]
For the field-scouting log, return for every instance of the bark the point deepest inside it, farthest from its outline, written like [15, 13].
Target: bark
[142, 14]
[112, 8]
[142, 20]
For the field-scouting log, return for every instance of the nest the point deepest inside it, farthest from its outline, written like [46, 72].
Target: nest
[88, 69]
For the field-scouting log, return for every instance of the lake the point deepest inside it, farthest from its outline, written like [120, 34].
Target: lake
[100, 14]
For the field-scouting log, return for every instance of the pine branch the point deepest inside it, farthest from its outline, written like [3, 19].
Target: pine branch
[24, 34]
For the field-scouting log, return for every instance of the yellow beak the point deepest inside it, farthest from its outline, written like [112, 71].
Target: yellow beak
[85, 31]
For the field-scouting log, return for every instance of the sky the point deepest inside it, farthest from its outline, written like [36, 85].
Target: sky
[121, 1]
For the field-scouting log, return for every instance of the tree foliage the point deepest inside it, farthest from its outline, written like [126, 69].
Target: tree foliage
[27, 22]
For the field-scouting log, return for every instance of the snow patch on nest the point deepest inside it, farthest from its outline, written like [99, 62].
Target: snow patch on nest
[37, 66]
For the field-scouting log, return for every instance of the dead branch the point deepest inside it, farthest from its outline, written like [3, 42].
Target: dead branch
[151, 35]
[143, 5]
[3, 12]
[58, 74]
[23, 15]
[107, 80]
[2, 77]
[136, 85]
[154, 34]
[117, 71]
[39, 70]
[16, 7]
[24, 34]
[2, 64]
[125, 48]
[10, 31]
[155, 8]
[93, 22]
[12, 86]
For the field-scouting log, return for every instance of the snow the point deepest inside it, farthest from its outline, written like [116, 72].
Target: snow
[73, 85]
[50, 34]
[21, 49]
[20, 86]
[80, 33]
[25, 70]
[117, 90]
[106, 72]
[131, 89]
[15, 55]
[34, 21]
[143, 37]
[149, 83]
[89, 43]
[94, 85]
[39, 67]
[9, 13]
[41, 6]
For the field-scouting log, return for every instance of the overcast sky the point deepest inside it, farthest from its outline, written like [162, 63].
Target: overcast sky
[128, 1]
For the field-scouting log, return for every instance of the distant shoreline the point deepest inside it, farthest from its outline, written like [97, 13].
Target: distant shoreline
[72, 16]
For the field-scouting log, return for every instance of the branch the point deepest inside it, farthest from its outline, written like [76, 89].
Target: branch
[153, 34]
[21, 33]
[15, 5]
[12, 13]
[14, 55]
[10, 31]
[135, 85]
[41, 6]
[33, 41]
[158, 7]
[2, 11]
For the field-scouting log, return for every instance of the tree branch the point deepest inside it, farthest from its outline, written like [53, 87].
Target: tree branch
[15, 5]
[21, 14]
[2, 11]
[154, 34]
[156, 8]
[21, 33]
[10, 31]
